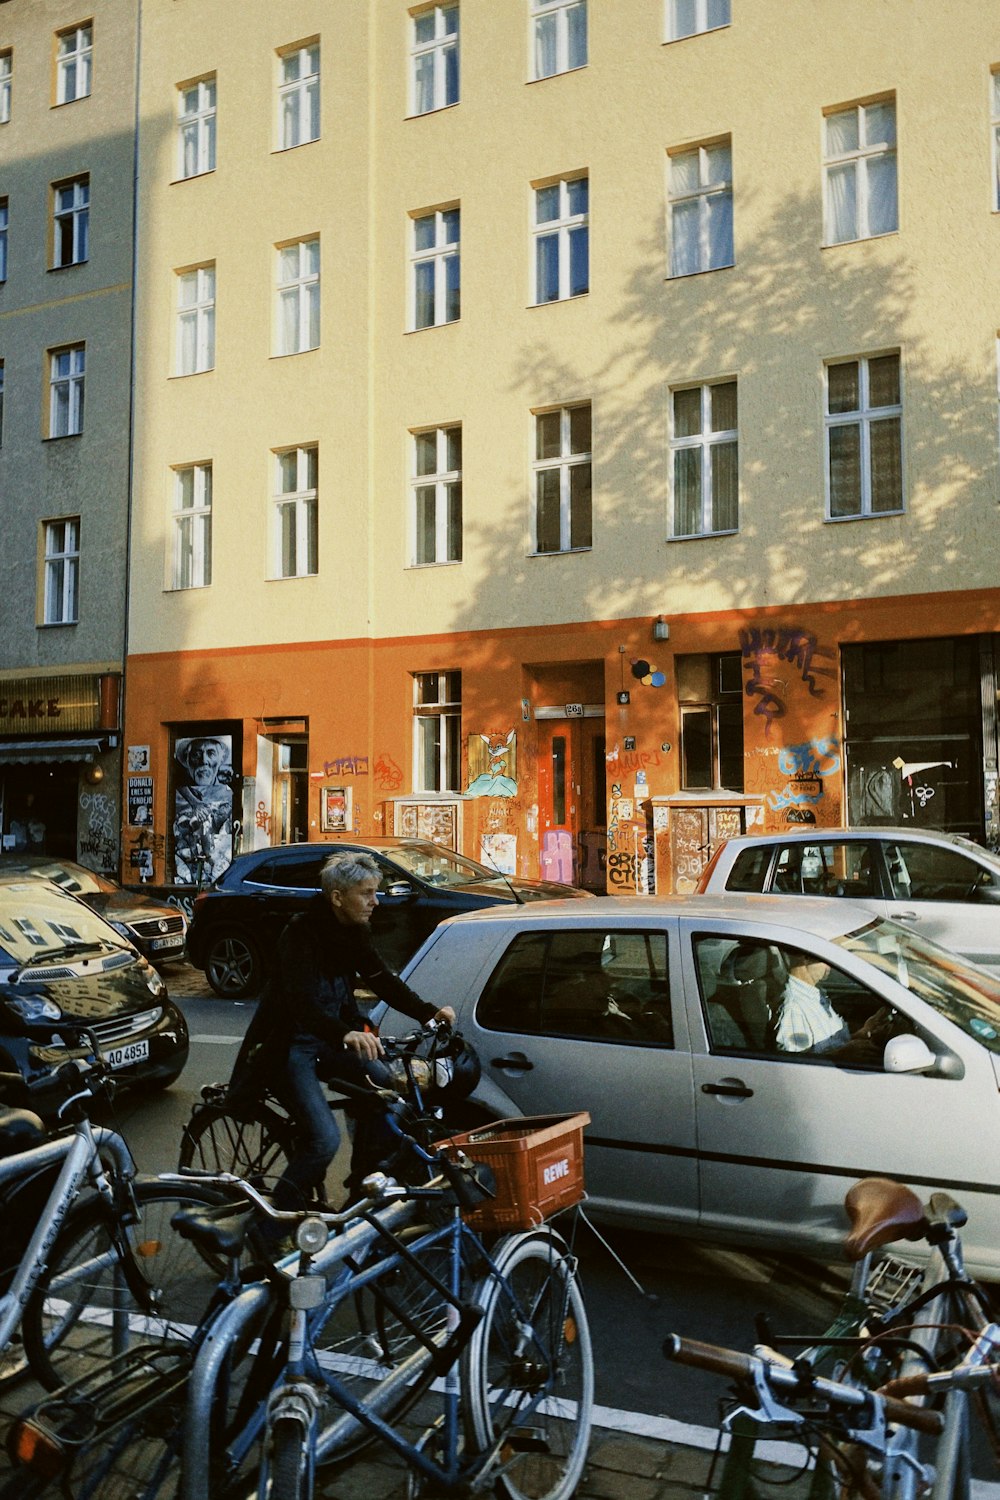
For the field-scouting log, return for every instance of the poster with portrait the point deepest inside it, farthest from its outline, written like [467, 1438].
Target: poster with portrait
[203, 807]
[335, 809]
[140, 801]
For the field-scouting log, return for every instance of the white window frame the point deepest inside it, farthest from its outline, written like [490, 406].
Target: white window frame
[303, 502]
[196, 127]
[6, 82]
[66, 390]
[437, 49]
[865, 417]
[77, 214]
[552, 21]
[443, 257]
[61, 571]
[437, 732]
[195, 320]
[860, 159]
[703, 441]
[564, 462]
[298, 290]
[299, 96]
[191, 515]
[444, 482]
[74, 65]
[705, 17]
[995, 134]
[563, 228]
[707, 193]
[4, 232]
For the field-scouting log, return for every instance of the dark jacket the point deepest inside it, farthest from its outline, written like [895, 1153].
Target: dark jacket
[310, 993]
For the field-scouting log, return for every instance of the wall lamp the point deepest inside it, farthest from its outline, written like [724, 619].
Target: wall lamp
[661, 630]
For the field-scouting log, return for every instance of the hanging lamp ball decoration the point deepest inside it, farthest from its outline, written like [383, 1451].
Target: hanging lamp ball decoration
[647, 673]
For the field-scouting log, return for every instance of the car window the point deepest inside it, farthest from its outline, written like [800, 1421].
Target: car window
[926, 872]
[838, 867]
[438, 865]
[296, 874]
[599, 985]
[770, 998]
[749, 869]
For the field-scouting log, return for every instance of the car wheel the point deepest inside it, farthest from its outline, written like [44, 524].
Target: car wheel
[232, 966]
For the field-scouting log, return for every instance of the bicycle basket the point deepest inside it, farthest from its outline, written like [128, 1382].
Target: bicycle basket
[537, 1163]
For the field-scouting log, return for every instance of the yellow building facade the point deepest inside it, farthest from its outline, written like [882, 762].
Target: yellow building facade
[565, 428]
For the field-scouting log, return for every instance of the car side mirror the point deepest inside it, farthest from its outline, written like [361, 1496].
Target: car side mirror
[398, 888]
[988, 892]
[908, 1054]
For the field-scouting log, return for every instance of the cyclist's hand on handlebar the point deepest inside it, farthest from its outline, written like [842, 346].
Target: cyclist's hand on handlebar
[445, 1014]
[365, 1043]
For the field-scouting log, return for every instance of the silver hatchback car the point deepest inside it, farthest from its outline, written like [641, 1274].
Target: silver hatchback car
[943, 886]
[743, 1061]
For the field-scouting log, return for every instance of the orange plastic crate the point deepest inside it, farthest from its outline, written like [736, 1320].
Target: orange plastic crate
[537, 1161]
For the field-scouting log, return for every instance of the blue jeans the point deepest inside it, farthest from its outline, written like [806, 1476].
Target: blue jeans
[299, 1086]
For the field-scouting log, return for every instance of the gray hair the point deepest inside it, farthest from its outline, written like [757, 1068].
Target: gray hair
[342, 871]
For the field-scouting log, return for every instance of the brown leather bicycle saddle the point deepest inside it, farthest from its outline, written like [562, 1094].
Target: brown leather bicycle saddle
[881, 1210]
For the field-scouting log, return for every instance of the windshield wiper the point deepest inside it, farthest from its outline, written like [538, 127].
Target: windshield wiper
[66, 950]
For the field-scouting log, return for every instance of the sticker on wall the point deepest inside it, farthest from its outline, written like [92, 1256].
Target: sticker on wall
[138, 758]
[203, 807]
[647, 673]
[499, 852]
[335, 809]
[140, 801]
[492, 765]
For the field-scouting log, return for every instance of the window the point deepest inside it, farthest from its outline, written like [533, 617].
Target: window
[688, 17]
[4, 224]
[74, 57]
[298, 96]
[864, 437]
[859, 172]
[196, 320]
[62, 572]
[562, 479]
[434, 54]
[71, 222]
[66, 373]
[192, 527]
[436, 281]
[437, 495]
[296, 513]
[994, 116]
[196, 127]
[437, 731]
[701, 209]
[928, 872]
[710, 697]
[559, 32]
[705, 467]
[6, 82]
[835, 868]
[298, 296]
[561, 233]
[595, 984]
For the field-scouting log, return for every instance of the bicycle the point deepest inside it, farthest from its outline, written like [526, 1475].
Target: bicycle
[505, 1330]
[895, 1322]
[91, 1262]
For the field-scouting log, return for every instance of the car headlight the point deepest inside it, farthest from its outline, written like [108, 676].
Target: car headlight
[34, 1008]
[154, 983]
[122, 929]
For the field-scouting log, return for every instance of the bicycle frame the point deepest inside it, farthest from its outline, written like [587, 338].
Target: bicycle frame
[80, 1154]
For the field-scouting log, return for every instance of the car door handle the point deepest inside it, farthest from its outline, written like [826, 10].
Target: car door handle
[515, 1061]
[906, 916]
[729, 1088]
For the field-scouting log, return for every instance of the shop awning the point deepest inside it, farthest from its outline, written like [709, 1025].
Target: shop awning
[37, 752]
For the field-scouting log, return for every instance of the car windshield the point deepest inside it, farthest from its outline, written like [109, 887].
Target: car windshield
[961, 992]
[76, 879]
[438, 866]
[39, 924]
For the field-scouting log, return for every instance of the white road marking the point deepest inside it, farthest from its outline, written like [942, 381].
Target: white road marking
[221, 1041]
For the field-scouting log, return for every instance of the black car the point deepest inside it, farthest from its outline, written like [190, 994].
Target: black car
[155, 928]
[61, 964]
[236, 923]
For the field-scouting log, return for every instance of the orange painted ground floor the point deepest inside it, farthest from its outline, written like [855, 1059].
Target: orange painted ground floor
[614, 754]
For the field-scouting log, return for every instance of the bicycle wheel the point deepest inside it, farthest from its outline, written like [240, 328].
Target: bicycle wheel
[82, 1309]
[289, 1463]
[528, 1373]
[257, 1149]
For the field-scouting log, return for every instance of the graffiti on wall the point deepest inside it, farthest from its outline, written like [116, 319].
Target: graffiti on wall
[765, 651]
[345, 765]
[493, 765]
[99, 835]
[388, 776]
[805, 766]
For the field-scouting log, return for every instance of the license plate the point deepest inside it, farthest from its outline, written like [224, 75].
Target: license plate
[123, 1057]
[168, 942]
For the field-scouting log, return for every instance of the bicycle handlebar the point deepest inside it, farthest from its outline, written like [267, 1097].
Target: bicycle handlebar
[791, 1379]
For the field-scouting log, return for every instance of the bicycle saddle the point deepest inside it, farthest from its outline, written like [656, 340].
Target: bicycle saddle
[19, 1130]
[881, 1210]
